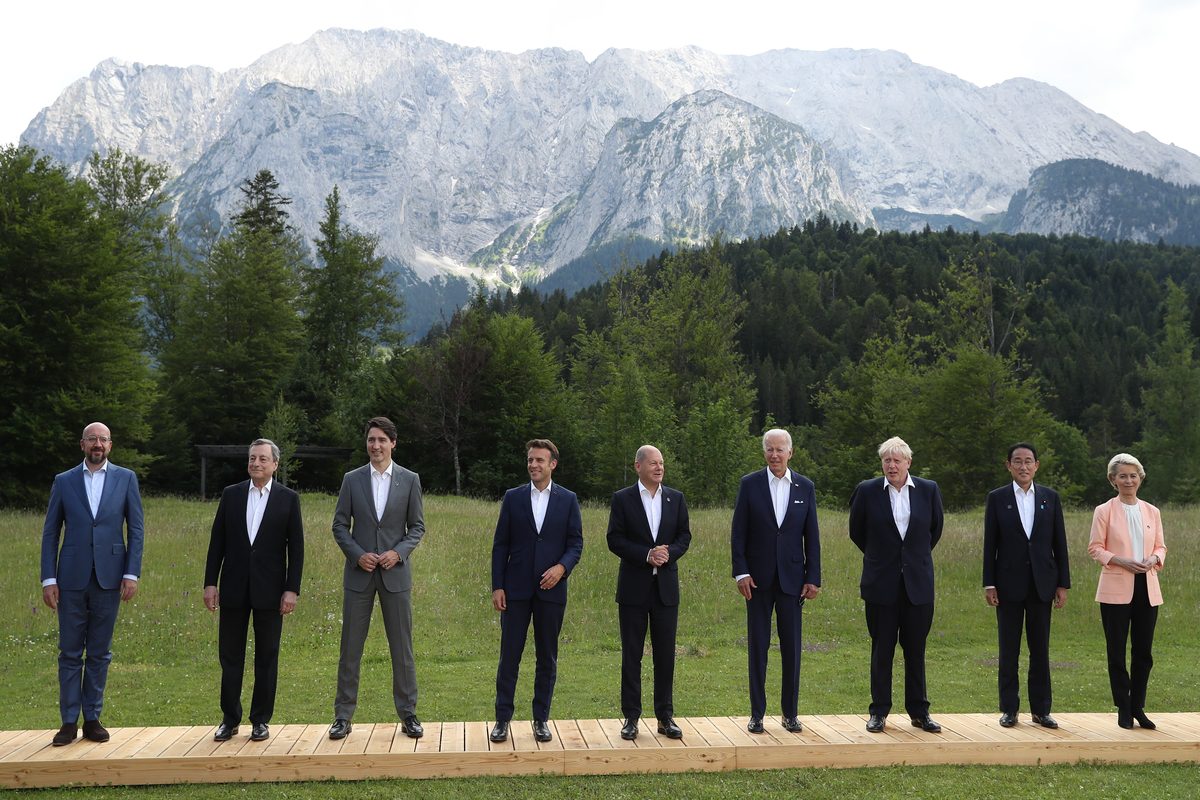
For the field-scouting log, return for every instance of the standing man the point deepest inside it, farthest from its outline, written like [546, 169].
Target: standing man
[777, 565]
[648, 529]
[378, 523]
[98, 566]
[256, 552]
[1025, 570]
[896, 522]
[538, 541]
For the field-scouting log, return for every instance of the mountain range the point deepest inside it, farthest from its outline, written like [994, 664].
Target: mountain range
[477, 164]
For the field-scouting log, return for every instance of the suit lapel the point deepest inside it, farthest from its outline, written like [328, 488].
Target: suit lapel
[79, 484]
[367, 488]
[885, 497]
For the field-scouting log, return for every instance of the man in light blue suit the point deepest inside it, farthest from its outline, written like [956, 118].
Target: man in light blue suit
[96, 510]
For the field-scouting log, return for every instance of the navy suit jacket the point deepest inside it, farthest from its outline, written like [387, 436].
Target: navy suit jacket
[888, 559]
[520, 554]
[109, 543]
[256, 576]
[1009, 559]
[762, 548]
[629, 537]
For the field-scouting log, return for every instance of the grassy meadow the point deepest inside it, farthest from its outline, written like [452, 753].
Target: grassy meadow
[165, 672]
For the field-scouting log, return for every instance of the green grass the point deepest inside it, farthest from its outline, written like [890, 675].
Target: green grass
[165, 672]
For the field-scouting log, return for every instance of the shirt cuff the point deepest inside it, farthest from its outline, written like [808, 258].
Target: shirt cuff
[739, 577]
[49, 582]
[130, 578]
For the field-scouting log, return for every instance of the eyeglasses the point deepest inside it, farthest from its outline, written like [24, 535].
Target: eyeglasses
[97, 439]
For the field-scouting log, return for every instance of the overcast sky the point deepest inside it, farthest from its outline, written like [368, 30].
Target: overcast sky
[1135, 61]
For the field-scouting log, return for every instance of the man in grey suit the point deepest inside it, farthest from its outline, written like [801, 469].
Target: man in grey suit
[98, 505]
[378, 522]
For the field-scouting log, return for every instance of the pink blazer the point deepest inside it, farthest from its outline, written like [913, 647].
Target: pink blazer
[1110, 537]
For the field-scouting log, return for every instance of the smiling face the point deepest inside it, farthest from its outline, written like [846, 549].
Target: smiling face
[96, 444]
[541, 463]
[778, 454]
[895, 467]
[1022, 465]
[1126, 481]
[379, 448]
[262, 464]
[650, 468]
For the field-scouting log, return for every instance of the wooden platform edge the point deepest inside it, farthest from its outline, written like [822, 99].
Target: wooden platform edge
[36, 765]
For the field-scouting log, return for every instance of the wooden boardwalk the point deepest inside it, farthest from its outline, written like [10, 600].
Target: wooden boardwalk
[158, 755]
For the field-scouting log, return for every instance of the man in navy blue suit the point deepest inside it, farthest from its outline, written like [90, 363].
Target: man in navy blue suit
[648, 529]
[538, 541]
[1025, 571]
[776, 549]
[896, 522]
[99, 507]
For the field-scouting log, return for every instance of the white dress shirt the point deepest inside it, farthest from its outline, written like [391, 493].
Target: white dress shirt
[781, 492]
[652, 505]
[1133, 519]
[381, 484]
[540, 500]
[256, 506]
[1025, 507]
[901, 507]
[94, 481]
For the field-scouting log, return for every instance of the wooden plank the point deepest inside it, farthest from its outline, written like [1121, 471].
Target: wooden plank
[283, 739]
[612, 733]
[380, 740]
[703, 728]
[734, 731]
[161, 741]
[570, 735]
[475, 737]
[133, 743]
[595, 736]
[453, 737]
[819, 726]
[22, 747]
[188, 739]
[431, 742]
[309, 738]
[356, 742]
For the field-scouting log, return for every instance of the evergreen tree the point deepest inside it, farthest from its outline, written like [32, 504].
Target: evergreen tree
[69, 338]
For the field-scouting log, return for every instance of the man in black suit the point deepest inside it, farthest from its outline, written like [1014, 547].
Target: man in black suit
[1025, 571]
[256, 554]
[896, 522]
[538, 541]
[648, 529]
[776, 548]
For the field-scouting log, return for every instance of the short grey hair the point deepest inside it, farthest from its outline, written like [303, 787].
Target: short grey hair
[274, 448]
[777, 432]
[644, 451]
[1124, 458]
[895, 445]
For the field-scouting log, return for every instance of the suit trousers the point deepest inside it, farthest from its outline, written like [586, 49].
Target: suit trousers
[1033, 614]
[86, 621]
[231, 650]
[788, 610]
[662, 621]
[547, 621]
[910, 625]
[357, 608]
[1131, 622]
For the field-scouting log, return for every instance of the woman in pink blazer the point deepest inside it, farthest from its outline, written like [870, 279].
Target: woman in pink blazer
[1127, 539]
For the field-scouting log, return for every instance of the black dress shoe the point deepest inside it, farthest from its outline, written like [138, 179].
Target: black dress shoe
[499, 732]
[1008, 720]
[629, 730]
[1045, 720]
[668, 728]
[340, 729]
[792, 725]
[541, 730]
[755, 725]
[1124, 719]
[412, 727]
[1143, 720]
[259, 732]
[93, 731]
[875, 723]
[66, 734]
[926, 724]
[225, 732]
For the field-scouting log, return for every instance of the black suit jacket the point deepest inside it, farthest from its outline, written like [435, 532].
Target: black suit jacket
[763, 549]
[1009, 559]
[629, 537]
[520, 554]
[888, 559]
[258, 575]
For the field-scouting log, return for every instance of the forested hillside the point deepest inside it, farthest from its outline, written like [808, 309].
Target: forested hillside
[960, 343]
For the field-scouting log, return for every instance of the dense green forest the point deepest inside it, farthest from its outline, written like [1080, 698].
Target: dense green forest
[960, 343]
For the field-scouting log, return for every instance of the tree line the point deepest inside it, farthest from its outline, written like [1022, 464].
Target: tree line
[960, 343]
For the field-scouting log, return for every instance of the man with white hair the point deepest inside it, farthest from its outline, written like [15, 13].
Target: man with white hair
[896, 522]
[776, 550]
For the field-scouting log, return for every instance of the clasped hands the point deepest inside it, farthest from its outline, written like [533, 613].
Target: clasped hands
[385, 560]
[658, 556]
[1136, 567]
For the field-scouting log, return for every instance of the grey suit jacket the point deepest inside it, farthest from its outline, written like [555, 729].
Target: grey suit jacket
[357, 530]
